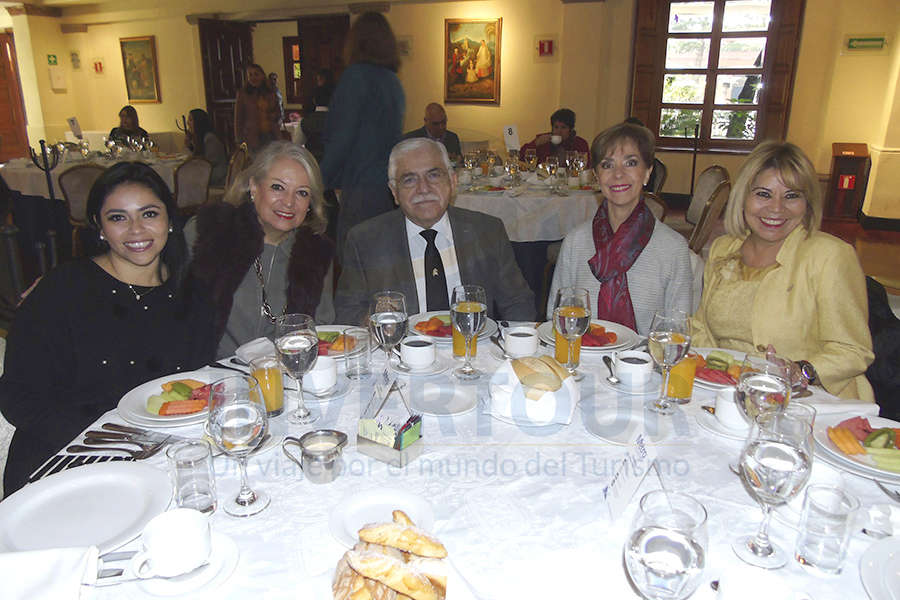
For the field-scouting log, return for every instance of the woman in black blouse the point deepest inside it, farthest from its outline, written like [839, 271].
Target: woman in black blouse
[95, 328]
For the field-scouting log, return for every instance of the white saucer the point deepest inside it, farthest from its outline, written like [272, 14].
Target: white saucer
[222, 560]
[711, 424]
[875, 568]
[444, 400]
[439, 365]
[651, 387]
[338, 390]
[617, 425]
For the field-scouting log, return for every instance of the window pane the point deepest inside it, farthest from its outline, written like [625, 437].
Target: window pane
[295, 52]
[687, 53]
[678, 122]
[684, 89]
[741, 53]
[296, 70]
[690, 17]
[737, 89]
[734, 124]
[746, 15]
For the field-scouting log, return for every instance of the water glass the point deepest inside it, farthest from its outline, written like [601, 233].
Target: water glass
[825, 528]
[666, 552]
[357, 353]
[193, 477]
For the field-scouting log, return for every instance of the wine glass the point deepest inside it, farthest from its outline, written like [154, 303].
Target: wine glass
[388, 320]
[571, 318]
[491, 161]
[298, 350]
[775, 464]
[669, 342]
[237, 423]
[552, 169]
[666, 552]
[531, 158]
[468, 313]
[470, 160]
[764, 384]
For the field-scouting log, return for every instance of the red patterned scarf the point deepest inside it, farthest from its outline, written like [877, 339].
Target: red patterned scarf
[616, 252]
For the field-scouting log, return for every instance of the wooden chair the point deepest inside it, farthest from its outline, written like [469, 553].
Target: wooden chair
[656, 206]
[192, 184]
[706, 185]
[239, 161]
[76, 184]
[658, 177]
[710, 216]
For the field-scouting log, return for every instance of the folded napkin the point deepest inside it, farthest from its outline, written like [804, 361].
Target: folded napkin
[56, 573]
[882, 517]
[508, 401]
[826, 404]
[254, 349]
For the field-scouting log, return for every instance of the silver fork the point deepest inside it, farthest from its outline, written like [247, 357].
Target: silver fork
[135, 454]
[893, 495]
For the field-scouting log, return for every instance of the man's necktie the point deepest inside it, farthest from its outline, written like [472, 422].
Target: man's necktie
[435, 280]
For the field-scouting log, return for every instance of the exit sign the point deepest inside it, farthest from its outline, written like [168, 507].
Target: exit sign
[51, 59]
[864, 43]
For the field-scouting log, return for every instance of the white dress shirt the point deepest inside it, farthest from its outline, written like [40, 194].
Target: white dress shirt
[444, 242]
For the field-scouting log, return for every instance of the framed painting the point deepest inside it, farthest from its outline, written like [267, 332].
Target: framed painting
[472, 60]
[141, 70]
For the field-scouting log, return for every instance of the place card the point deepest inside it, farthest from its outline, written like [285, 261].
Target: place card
[629, 474]
[75, 127]
[511, 137]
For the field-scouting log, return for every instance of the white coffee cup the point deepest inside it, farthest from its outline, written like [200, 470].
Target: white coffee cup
[634, 368]
[465, 178]
[173, 543]
[322, 377]
[556, 140]
[417, 352]
[520, 341]
[728, 413]
[573, 181]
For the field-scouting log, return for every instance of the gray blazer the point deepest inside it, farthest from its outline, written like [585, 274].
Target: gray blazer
[450, 141]
[376, 257]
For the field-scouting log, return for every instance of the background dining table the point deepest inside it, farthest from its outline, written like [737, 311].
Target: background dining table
[520, 509]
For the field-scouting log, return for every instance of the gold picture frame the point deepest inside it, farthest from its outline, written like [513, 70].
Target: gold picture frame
[141, 69]
[472, 61]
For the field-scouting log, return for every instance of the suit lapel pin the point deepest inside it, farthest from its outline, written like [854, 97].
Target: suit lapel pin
[434, 272]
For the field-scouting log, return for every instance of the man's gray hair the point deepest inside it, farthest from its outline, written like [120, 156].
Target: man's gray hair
[414, 145]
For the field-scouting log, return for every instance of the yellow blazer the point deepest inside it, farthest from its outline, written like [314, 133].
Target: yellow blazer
[812, 307]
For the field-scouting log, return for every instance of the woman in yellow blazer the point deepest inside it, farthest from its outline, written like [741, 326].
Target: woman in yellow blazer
[775, 279]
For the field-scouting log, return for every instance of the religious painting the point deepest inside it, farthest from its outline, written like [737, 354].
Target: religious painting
[472, 60]
[141, 71]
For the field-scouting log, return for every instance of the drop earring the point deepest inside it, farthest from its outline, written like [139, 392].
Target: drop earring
[102, 239]
[171, 229]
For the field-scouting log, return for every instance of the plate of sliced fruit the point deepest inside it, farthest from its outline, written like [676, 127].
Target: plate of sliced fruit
[170, 401]
[717, 368]
[868, 443]
[602, 336]
[436, 325]
[332, 340]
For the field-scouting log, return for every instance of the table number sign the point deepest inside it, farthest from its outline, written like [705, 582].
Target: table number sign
[511, 137]
[629, 474]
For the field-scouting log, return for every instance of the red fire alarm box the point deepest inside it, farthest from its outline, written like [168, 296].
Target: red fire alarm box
[850, 165]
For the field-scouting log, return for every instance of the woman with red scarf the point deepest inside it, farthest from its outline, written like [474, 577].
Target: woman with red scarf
[631, 264]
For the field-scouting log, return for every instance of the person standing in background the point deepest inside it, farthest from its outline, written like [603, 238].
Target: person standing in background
[365, 120]
[256, 117]
[273, 83]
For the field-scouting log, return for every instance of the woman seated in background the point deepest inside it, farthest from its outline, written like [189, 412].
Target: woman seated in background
[776, 280]
[128, 126]
[93, 329]
[631, 264]
[201, 139]
[261, 252]
[559, 140]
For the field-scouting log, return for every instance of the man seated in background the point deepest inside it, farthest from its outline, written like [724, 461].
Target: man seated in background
[435, 128]
[428, 247]
[559, 140]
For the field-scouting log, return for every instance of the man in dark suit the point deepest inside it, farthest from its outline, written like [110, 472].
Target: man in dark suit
[435, 128]
[428, 247]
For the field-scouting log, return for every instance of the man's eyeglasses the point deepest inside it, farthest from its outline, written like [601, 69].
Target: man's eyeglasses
[437, 123]
[434, 176]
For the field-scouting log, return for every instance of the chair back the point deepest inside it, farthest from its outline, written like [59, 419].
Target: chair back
[711, 213]
[192, 182]
[706, 185]
[239, 161]
[76, 184]
[656, 206]
[658, 177]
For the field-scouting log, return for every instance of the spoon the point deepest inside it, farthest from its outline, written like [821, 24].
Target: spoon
[496, 339]
[612, 376]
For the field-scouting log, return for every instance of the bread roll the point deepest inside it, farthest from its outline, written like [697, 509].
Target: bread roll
[402, 518]
[434, 569]
[557, 368]
[535, 373]
[408, 539]
[392, 573]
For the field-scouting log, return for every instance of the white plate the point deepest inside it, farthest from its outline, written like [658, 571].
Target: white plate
[133, 405]
[338, 390]
[853, 468]
[334, 329]
[101, 504]
[862, 461]
[223, 558]
[651, 387]
[439, 365]
[710, 385]
[440, 400]
[627, 338]
[490, 327]
[711, 424]
[617, 425]
[376, 506]
[873, 568]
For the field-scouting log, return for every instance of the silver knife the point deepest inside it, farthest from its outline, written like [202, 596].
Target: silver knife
[151, 436]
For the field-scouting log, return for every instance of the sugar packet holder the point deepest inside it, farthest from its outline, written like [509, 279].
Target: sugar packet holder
[388, 429]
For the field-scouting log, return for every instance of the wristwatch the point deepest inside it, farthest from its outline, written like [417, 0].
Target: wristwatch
[809, 372]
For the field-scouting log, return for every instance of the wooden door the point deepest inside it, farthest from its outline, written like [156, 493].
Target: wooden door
[322, 47]
[13, 137]
[227, 50]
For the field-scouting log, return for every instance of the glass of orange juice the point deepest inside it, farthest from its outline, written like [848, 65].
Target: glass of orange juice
[468, 313]
[571, 319]
[459, 344]
[681, 379]
[267, 371]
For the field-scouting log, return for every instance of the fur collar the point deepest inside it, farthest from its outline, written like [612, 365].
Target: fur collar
[230, 238]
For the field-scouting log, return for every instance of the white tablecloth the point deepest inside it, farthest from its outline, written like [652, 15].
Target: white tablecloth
[518, 509]
[534, 216]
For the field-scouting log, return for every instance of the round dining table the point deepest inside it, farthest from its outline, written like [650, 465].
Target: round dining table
[519, 508]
